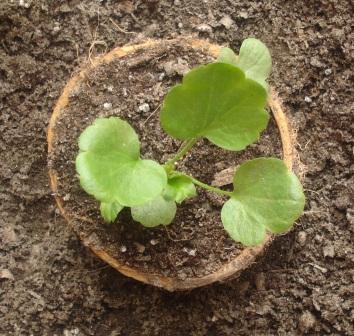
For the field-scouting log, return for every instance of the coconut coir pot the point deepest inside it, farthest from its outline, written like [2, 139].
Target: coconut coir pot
[150, 260]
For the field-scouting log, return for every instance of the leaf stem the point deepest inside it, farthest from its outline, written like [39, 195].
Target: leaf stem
[169, 167]
[182, 152]
[208, 187]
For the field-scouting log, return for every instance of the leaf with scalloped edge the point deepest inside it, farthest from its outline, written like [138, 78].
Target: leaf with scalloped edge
[266, 197]
[110, 168]
[218, 102]
[227, 55]
[255, 60]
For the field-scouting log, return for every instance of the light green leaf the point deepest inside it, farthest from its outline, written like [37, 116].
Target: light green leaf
[266, 196]
[240, 225]
[227, 55]
[156, 212]
[179, 188]
[216, 101]
[255, 60]
[110, 211]
[110, 168]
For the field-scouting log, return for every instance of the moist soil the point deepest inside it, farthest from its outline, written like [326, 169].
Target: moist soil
[195, 244]
[51, 285]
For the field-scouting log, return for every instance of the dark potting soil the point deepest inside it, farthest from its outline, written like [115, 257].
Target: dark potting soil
[132, 88]
[50, 284]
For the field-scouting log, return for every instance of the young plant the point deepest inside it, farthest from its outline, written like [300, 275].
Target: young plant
[223, 102]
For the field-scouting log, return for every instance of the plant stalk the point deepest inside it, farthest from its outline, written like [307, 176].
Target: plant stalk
[210, 188]
[182, 152]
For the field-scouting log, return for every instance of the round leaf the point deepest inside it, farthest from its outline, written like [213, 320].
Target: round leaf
[110, 168]
[266, 196]
[216, 101]
[240, 225]
[154, 213]
[110, 134]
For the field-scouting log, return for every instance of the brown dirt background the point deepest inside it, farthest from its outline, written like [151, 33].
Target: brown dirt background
[51, 285]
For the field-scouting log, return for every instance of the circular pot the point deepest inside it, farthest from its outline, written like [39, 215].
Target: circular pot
[230, 269]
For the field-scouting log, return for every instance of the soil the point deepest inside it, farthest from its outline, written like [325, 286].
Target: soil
[51, 285]
[195, 244]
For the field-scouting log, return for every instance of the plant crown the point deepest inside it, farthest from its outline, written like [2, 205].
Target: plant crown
[222, 101]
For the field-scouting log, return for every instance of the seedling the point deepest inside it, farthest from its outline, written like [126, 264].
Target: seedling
[223, 102]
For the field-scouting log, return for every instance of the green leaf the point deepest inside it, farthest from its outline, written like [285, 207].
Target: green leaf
[227, 55]
[179, 188]
[110, 168]
[110, 211]
[255, 60]
[240, 225]
[156, 212]
[216, 101]
[266, 196]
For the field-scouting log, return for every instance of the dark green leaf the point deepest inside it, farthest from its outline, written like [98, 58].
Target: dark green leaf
[156, 212]
[110, 168]
[216, 101]
[267, 196]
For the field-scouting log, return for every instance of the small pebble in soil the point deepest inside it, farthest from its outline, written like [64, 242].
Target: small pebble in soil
[72, 332]
[227, 22]
[301, 238]
[139, 247]
[125, 93]
[110, 88]
[107, 106]
[6, 274]
[318, 238]
[204, 28]
[350, 216]
[64, 8]
[191, 252]
[154, 242]
[308, 99]
[144, 108]
[123, 249]
[56, 27]
[328, 72]
[306, 321]
[243, 15]
[180, 25]
[25, 4]
[328, 251]
[66, 197]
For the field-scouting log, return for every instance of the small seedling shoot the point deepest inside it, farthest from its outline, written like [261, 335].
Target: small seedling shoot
[222, 101]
